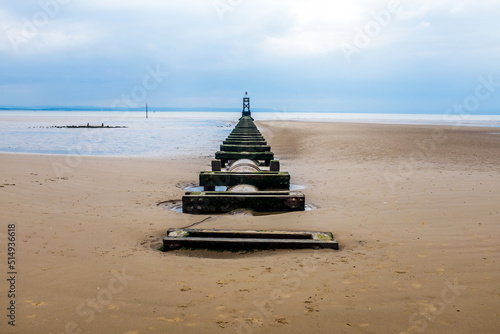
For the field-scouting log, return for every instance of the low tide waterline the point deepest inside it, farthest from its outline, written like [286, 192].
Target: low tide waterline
[167, 133]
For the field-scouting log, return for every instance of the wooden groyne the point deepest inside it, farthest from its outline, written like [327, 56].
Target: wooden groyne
[246, 168]
[245, 175]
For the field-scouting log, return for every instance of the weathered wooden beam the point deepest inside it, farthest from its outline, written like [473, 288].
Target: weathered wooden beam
[245, 148]
[247, 239]
[252, 128]
[266, 156]
[216, 165]
[245, 128]
[262, 180]
[274, 166]
[208, 202]
[244, 142]
[245, 133]
[240, 136]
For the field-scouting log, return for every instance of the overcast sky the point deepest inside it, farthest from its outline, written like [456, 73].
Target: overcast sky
[290, 55]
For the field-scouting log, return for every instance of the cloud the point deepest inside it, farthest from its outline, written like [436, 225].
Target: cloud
[96, 50]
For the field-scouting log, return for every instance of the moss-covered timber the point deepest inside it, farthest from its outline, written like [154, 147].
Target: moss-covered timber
[262, 180]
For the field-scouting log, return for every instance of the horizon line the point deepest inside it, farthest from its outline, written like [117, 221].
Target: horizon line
[214, 109]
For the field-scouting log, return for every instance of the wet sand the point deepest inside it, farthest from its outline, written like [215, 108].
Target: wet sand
[415, 210]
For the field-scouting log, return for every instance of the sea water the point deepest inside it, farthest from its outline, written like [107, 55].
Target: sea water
[162, 134]
[167, 133]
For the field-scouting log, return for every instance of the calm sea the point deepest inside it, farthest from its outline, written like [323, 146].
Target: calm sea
[167, 133]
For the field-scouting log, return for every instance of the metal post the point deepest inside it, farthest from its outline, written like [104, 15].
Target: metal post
[246, 105]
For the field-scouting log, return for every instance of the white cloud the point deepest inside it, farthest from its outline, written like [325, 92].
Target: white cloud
[326, 13]
[424, 25]
[275, 46]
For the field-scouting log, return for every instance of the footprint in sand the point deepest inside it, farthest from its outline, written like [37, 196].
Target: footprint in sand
[222, 324]
[184, 286]
[283, 321]
[222, 283]
[36, 303]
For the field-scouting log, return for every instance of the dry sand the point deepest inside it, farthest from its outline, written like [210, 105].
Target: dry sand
[415, 209]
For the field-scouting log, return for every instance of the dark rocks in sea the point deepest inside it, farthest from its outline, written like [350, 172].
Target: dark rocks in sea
[88, 126]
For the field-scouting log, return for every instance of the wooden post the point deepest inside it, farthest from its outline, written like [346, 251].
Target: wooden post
[146, 110]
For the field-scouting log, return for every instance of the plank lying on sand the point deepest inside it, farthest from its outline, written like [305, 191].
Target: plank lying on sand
[247, 239]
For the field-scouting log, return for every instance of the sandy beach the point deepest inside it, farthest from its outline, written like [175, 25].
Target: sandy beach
[415, 209]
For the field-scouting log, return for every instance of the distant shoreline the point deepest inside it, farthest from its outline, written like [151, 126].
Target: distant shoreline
[206, 109]
[85, 116]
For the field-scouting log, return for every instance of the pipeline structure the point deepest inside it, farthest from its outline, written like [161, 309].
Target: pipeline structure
[248, 173]
[245, 176]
